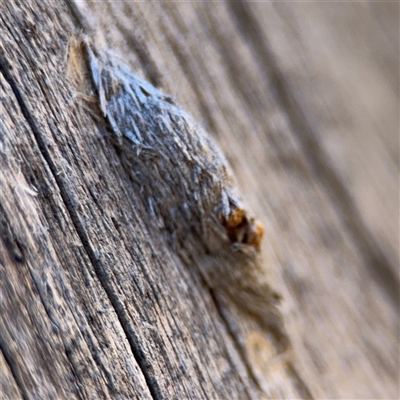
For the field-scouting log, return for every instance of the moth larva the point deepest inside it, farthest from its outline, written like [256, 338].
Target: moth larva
[186, 187]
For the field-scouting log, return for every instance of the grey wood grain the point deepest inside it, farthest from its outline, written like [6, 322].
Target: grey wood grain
[96, 303]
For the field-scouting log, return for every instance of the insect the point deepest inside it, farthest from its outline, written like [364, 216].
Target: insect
[186, 187]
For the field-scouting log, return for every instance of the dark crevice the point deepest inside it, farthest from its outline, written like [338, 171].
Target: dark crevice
[14, 370]
[100, 272]
[376, 261]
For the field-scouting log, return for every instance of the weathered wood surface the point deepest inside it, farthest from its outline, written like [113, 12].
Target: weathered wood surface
[303, 100]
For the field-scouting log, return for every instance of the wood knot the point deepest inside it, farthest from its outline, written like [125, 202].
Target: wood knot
[241, 229]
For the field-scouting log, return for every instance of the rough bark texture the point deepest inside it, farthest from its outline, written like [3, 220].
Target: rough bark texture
[103, 296]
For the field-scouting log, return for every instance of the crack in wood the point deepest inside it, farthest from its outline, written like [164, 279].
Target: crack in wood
[113, 297]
